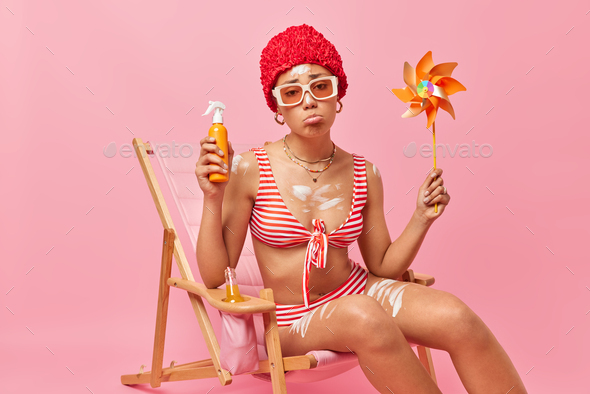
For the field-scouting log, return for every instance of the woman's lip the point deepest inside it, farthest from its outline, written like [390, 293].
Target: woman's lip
[313, 120]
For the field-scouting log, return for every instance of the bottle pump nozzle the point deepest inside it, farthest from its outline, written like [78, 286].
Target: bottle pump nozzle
[219, 107]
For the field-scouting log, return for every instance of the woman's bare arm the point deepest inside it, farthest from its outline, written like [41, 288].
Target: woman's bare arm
[224, 223]
[391, 259]
[375, 238]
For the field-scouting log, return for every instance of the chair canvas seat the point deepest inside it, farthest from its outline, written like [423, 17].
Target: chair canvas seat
[180, 176]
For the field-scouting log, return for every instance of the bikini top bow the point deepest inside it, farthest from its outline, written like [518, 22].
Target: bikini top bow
[317, 250]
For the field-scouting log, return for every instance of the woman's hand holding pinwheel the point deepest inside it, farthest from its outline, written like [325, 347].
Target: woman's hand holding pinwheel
[432, 192]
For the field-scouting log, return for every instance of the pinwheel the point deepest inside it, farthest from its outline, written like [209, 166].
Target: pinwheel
[428, 88]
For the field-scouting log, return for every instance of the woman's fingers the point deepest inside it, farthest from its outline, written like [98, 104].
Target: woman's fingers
[435, 185]
[435, 193]
[203, 171]
[210, 158]
[430, 177]
[430, 183]
[438, 197]
[208, 145]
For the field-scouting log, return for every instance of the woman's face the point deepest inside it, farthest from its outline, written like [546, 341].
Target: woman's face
[295, 115]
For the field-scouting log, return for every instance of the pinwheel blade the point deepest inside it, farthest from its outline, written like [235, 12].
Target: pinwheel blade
[439, 92]
[404, 94]
[413, 110]
[446, 105]
[450, 85]
[410, 77]
[431, 113]
[424, 66]
[443, 69]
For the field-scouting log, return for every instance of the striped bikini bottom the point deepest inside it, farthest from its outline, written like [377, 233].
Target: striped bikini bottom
[355, 284]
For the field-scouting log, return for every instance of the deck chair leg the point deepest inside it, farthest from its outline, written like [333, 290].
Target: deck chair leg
[162, 314]
[273, 347]
[426, 360]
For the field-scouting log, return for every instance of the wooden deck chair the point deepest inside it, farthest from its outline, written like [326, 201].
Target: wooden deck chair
[313, 366]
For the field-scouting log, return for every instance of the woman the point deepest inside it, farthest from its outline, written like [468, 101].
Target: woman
[299, 214]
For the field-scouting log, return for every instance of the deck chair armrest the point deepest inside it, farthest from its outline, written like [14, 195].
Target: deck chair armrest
[414, 277]
[215, 296]
[423, 279]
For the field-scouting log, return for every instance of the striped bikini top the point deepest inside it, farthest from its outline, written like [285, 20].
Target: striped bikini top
[274, 225]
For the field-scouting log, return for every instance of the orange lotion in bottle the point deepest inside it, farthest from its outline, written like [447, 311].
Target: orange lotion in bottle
[219, 132]
[231, 286]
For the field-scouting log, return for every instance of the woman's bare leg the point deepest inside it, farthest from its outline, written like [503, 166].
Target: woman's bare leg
[439, 320]
[359, 324]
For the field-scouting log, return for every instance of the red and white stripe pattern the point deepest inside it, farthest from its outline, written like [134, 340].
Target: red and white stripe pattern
[273, 224]
[355, 284]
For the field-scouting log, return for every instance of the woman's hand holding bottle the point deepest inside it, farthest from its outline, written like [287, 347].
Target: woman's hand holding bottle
[210, 162]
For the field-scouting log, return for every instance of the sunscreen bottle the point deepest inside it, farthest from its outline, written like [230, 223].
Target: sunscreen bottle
[219, 132]
[231, 286]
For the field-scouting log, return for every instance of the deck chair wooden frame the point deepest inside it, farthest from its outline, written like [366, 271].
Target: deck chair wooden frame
[276, 364]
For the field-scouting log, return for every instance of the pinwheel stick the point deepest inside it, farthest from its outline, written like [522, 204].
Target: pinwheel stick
[434, 148]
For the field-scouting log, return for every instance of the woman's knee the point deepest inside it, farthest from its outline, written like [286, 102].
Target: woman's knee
[463, 324]
[367, 325]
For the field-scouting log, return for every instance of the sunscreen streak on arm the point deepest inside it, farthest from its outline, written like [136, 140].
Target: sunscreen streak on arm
[376, 170]
[235, 163]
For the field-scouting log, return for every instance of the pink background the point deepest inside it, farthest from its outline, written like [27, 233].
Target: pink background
[81, 239]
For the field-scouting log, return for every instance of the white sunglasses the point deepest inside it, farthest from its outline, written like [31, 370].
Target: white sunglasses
[319, 88]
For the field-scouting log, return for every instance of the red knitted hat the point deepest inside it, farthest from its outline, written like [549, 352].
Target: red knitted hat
[298, 45]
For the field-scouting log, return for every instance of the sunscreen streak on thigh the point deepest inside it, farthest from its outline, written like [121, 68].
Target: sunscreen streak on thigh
[331, 311]
[391, 293]
[323, 309]
[302, 323]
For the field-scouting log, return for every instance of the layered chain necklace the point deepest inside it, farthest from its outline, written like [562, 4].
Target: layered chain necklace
[330, 159]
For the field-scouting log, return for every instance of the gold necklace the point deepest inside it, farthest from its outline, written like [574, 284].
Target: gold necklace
[310, 162]
[308, 169]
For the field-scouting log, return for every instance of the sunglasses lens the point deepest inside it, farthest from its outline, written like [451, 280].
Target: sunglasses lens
[321, 89]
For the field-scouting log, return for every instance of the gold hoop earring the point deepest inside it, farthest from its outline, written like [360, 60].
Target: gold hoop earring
[338, 100]
[276, 120]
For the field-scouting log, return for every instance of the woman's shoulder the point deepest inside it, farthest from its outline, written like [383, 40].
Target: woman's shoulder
[244, 173]
[360, 159]
[371, 171]
[243, 161]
